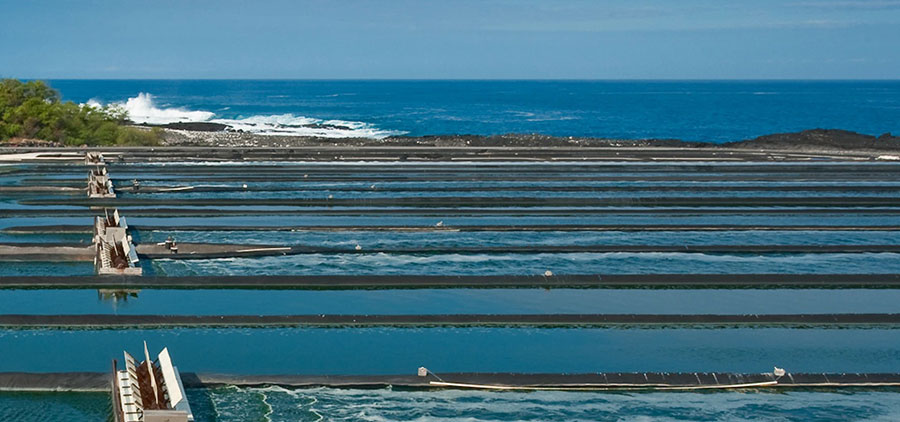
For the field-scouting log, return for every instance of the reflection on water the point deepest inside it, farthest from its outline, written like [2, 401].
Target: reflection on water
[117, 295]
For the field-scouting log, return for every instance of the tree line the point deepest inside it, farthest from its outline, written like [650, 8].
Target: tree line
[34, 110]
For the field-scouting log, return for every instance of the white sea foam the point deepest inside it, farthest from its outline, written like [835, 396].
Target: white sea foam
[487, 406]
[143, 109]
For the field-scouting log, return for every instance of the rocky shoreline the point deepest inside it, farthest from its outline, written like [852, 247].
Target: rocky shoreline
[834, 142]
[212, 134]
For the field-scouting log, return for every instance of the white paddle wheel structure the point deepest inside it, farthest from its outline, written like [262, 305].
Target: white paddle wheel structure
[149, 391]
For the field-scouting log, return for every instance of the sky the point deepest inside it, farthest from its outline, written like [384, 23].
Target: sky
[450, 39]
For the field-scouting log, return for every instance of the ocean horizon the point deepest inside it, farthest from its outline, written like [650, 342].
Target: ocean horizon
[690, 110]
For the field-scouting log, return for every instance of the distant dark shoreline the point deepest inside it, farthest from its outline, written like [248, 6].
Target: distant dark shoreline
[217, 134]
[209, 141]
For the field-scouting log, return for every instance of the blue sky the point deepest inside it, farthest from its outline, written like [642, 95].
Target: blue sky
[507, 39]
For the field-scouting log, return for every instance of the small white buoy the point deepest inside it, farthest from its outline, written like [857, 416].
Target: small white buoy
[245, 186]
[440, 224]
[548, 273]
[779, 372]
[372, 187]
[359, 248]
[330, 196]
[305, 176]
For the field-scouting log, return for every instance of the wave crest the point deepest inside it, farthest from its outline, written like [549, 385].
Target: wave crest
[142, 109]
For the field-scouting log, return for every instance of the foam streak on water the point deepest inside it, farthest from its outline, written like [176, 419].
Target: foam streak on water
[532, 264]
[249, 404]
[143, 109]
[451, 405]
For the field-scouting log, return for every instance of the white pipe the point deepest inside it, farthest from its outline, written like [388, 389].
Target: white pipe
[604, 386]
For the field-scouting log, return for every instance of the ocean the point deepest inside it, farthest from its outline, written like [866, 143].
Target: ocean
[710, 111]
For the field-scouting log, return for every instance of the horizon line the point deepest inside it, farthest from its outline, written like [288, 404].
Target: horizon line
[480, 79]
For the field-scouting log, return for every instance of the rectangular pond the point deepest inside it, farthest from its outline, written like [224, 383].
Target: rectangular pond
[387, 350]
[448, 301]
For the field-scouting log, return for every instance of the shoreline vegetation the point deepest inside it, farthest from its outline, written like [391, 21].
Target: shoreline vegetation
[32, 115]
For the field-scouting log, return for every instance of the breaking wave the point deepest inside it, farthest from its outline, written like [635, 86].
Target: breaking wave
[142, 109]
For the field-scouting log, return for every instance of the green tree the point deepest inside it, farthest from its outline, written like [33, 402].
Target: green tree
[33, 109]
